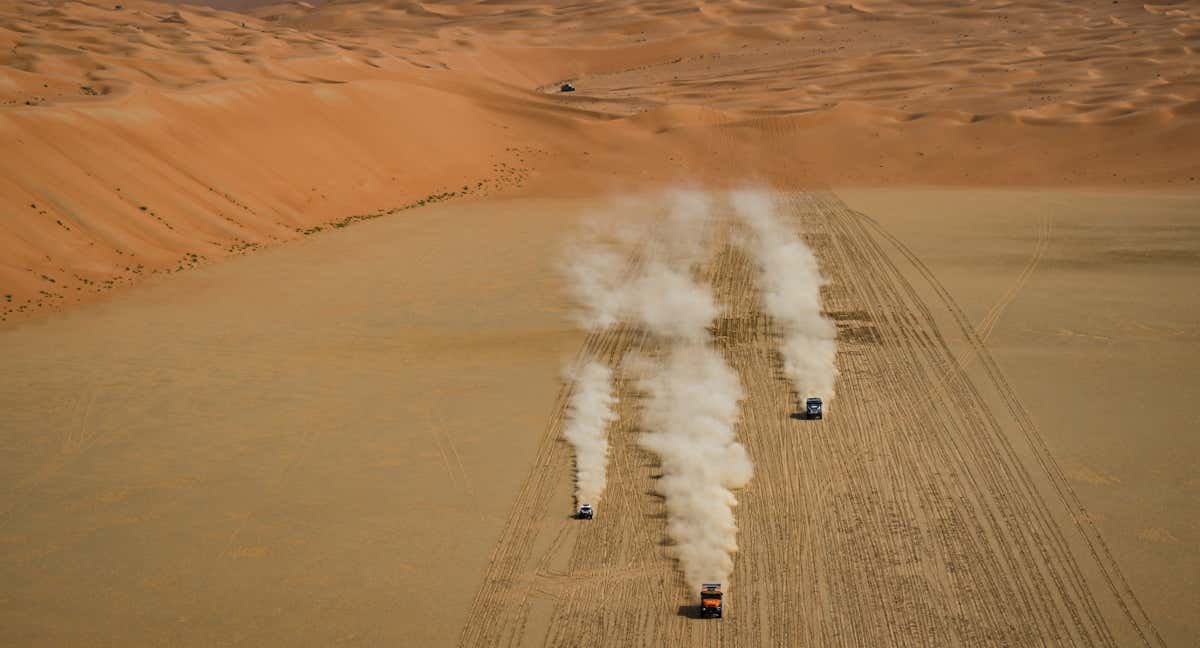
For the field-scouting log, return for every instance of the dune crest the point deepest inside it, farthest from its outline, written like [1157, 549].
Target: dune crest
[146, 137]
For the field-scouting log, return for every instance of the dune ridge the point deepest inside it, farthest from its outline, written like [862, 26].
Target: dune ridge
[144, 138]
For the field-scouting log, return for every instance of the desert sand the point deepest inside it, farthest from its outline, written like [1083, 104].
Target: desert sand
[352, 431]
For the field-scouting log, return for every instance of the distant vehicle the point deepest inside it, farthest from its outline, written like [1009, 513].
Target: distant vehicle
[585, 512]
[812, 408]
[566, 87]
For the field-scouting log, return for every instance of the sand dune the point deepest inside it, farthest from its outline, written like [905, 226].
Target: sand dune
[153, 137]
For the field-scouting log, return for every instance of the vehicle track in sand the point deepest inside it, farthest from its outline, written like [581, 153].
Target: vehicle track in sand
[983, 330]
[924, 510]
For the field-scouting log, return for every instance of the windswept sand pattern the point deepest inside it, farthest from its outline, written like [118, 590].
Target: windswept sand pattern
[1046, 62]
[144, 138]
[83, 51]
[922, 511]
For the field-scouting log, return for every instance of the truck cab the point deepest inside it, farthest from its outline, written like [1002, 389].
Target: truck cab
[585, 512]
[711, 600]
[813, 408]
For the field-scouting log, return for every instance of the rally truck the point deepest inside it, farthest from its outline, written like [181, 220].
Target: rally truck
[585, 512]
[812, 408]
[710, 600]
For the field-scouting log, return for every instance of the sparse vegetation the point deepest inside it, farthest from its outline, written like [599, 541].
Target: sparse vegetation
[238, 246]
[427, 200]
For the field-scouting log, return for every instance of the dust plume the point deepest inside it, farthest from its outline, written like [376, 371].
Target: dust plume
[588, 414]
[594, 272]
[692, 405]
[669, 303]
[657, 291]
[645, 272]
[791, 281]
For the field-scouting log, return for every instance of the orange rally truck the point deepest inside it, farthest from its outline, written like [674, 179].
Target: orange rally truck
[710, 600]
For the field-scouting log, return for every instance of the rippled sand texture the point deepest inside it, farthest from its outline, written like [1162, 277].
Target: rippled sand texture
[156, 137]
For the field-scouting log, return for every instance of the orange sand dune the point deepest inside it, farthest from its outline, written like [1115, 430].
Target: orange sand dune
[152, 137]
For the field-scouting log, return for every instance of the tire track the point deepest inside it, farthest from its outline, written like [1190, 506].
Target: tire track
[987, 532]
[1116, 583]
[985, 326]
[983, 330]
[908, 517]
[941, 540]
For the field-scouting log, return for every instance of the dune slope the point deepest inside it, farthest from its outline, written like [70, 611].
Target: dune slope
[146, 138]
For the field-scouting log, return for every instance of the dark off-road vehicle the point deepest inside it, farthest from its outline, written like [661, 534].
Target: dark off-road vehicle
[813, 409]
